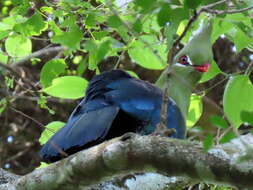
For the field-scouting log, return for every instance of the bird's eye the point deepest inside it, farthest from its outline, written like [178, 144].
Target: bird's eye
[183, 60]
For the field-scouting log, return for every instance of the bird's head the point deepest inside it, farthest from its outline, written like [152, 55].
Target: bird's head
[188, 66]
[197, 55]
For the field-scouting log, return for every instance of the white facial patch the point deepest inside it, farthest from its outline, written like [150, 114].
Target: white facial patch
[183, 65]
[180, 64]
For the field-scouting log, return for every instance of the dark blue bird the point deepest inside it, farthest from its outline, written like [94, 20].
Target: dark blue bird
[115, 103]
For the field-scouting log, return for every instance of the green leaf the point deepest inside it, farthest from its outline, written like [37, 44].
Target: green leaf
[171, 16]
[227, 137]
[9, 22]
[170, 19]
[90, 20]
[3, 58]
[4, 34]
[99, 35]
[133, 74]
[50, 130]
[151, 25]
[137, 26]
[241, 40]
[46, 9]
[82, 67]
[42, 102]
[164, 16]
[169, 32]
[247, 117]
[114, 21]
[97, 51]
[43, 165]
[21, 9]
[51, 70]
[218, 121]
[103, 49]
[18, 46]
[148, 52]
[212, 72]
[195, 110]
[123, 32]
[34, 26]
[70, 87]
[71, 38]
[145, 4]
[208, 142]
[192, 4]
[236, 27]
[53, 26]
[3, 105]
[237, 98]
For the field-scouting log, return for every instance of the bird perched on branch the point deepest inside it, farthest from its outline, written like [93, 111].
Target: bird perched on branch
[117, 103]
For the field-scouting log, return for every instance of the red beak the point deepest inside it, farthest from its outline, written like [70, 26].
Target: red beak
[202, 68]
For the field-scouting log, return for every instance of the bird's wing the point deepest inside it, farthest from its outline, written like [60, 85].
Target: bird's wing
[135, 97]
[82, 130]
[89, 123]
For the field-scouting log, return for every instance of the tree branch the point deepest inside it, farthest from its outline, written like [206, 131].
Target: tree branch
[207, 9]
[190, 22]
[221, 12]
[134, 153]
[7, 177]
[44, 51]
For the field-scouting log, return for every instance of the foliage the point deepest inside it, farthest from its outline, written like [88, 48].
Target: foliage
[195, 110]
[52, 128]
[94, 31]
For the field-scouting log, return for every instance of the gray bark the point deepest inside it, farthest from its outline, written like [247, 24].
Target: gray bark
[112, 164]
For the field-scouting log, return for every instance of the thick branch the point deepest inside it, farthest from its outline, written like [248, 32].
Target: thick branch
[6, 177]
[134, 153]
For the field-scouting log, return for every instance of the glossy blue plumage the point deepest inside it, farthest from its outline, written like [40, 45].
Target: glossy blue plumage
[115, 103]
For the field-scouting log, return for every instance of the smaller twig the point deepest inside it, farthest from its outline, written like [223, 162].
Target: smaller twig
[209, 6]
[40, 39]
[40, 53]
[119, 59]
[249, 68]
[42, 126]
[21, 153]
[178, 40]
[220, 12]
[162, 127]
[164, 107]
[15, 73]
[29, 117]
[92, 36]
[213, 86]
[224, 133]
[32, 98]
[190, 22]
[10, 69]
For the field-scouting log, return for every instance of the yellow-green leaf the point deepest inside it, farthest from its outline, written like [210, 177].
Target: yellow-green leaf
[18, 46]
[195, 110]
[149, 53]
[50, 130]
[70, 87]
[238, 97]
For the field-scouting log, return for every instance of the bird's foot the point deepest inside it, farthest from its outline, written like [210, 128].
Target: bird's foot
[163, 131]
